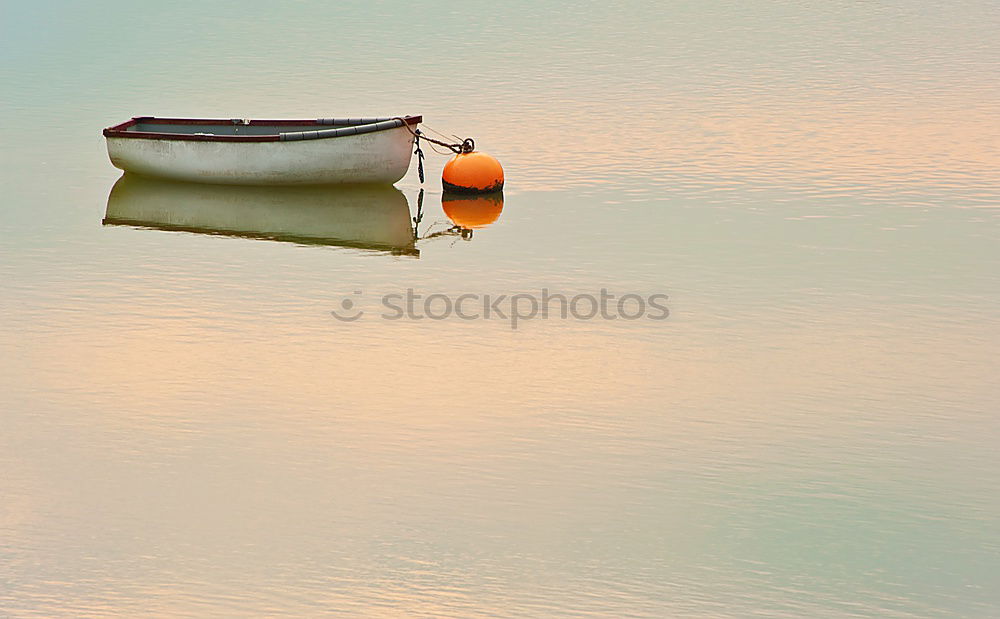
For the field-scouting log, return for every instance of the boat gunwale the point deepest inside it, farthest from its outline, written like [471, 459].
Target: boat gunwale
[121, 130]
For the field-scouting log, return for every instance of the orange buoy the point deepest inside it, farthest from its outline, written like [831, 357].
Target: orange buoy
[472, 172]
[472, 212]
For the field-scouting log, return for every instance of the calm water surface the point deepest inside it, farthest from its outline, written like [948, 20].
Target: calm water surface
[186, 430]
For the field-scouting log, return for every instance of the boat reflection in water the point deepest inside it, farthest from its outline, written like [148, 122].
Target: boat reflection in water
[468, 213]
[370, 217]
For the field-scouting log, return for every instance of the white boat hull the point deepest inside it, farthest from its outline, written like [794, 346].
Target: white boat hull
[376, 157]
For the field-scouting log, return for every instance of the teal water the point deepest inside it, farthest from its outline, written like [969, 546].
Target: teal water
[187, 430]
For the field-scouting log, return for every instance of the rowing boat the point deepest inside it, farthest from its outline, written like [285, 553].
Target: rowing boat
[264, 152]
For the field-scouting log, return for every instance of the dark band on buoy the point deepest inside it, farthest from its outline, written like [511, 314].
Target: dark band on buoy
[472, 190]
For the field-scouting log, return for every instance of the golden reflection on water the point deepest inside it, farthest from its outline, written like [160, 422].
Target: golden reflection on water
[320, 375]
[869, 145]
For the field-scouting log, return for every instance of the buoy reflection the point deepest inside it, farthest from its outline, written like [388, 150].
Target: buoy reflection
[466, 213]
[472, 212]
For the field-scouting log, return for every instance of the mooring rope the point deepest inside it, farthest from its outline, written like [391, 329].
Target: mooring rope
[466, 146]
[443, 136]
[438, 150]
